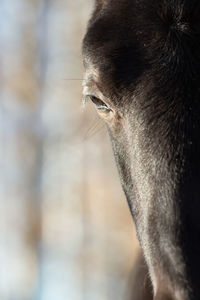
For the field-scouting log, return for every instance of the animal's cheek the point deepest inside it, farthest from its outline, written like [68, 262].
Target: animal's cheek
[114, 122]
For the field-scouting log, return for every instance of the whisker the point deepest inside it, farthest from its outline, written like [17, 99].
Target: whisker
[94, 129]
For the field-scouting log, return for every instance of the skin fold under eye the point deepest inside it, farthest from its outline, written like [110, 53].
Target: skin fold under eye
[99, 104]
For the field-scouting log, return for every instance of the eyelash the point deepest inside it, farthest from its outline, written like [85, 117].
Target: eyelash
[99, 104]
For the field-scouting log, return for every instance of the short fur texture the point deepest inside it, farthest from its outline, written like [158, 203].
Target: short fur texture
[146, 57]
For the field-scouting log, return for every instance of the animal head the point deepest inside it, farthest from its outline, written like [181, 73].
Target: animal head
[142, 62]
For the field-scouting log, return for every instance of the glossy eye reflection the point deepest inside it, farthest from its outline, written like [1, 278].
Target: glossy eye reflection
[99, 104]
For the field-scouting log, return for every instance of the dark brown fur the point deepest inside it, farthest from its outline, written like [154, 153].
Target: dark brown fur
[143, 56]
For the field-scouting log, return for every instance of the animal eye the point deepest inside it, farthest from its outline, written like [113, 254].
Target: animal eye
[99, 104]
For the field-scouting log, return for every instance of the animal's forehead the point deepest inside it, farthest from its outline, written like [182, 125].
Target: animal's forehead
[114, 44]
[111, 26]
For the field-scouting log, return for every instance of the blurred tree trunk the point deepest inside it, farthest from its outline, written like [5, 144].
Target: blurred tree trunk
[21, 150]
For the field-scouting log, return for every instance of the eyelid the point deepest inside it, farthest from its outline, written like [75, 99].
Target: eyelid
[99, 104]
[90, 90]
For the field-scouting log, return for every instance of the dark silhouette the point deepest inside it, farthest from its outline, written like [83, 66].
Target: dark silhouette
[142, 60]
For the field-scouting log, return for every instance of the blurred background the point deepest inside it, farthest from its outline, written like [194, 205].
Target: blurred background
[65, 228]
